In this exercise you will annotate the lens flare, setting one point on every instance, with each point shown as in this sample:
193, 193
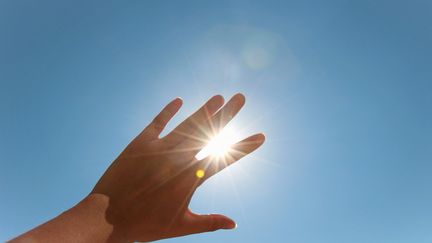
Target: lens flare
200, 173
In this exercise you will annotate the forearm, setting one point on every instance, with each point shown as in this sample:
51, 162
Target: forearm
85, 222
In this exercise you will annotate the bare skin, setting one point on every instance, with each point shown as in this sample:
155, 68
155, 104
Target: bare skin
144, 195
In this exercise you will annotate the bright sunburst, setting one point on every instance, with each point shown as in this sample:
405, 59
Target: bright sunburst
220, 144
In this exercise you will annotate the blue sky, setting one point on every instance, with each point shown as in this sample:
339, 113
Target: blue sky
342, 90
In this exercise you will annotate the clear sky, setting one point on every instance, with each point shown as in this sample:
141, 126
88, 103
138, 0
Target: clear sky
342, 89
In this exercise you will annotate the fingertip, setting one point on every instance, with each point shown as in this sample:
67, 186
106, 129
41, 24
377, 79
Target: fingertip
178, 100
231, 225
228, 223
258, 138
261, 137
175, 104
215, 103
218, 99
240, 97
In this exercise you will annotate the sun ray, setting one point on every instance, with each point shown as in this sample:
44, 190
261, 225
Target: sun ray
219, 145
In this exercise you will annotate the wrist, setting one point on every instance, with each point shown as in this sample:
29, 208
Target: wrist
85, 222
101, 218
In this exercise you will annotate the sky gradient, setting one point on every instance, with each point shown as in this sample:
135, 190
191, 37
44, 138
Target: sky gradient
342, 90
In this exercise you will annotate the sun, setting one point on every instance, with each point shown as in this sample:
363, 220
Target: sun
219, 145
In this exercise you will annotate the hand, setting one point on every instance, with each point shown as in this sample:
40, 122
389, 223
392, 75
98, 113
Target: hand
151, 183
145, 193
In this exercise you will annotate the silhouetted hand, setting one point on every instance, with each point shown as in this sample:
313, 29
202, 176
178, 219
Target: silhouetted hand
145, 193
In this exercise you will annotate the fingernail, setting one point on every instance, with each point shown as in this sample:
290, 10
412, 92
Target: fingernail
178, 100
231, 225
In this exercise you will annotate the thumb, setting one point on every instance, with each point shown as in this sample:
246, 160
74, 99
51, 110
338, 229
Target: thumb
208, 222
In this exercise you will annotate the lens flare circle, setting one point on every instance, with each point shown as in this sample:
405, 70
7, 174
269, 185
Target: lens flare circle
200, 173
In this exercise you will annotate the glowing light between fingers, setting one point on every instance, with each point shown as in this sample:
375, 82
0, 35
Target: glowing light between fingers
219, 145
